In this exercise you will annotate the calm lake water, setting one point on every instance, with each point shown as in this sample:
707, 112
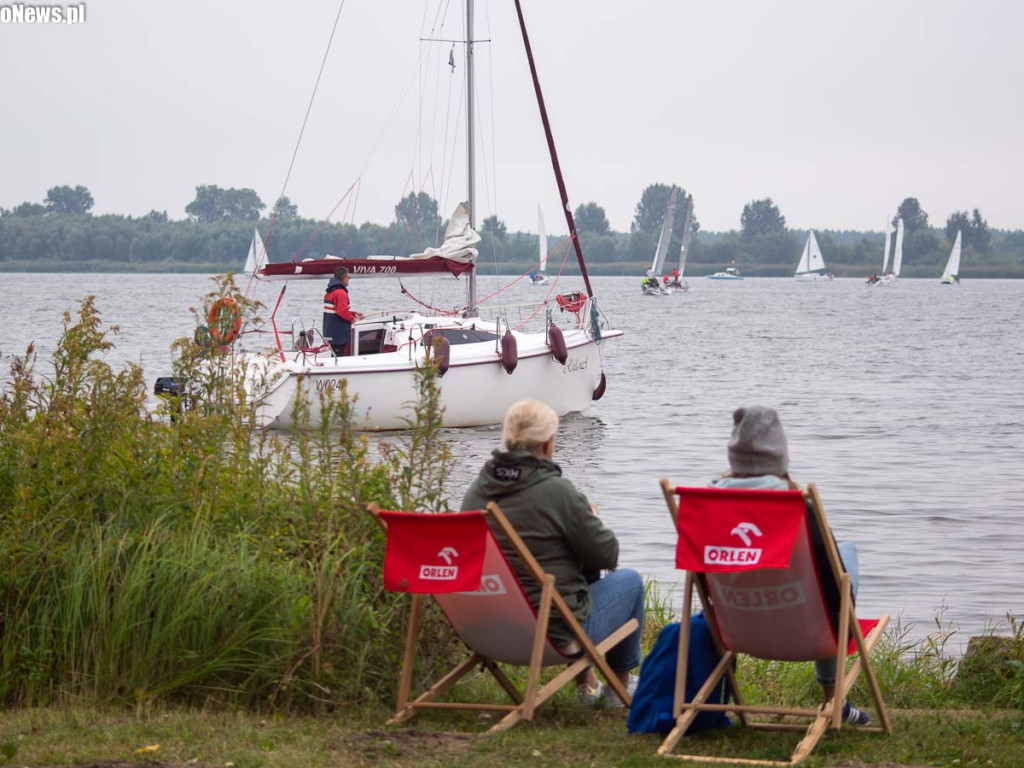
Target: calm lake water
903, 403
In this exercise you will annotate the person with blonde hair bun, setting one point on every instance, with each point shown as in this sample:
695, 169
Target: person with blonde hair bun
562, 530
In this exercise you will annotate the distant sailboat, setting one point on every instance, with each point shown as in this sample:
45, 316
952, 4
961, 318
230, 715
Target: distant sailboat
812, 264
540, 276
676, 282
951, 274
876, 279
897, 256
257, 254
651, 284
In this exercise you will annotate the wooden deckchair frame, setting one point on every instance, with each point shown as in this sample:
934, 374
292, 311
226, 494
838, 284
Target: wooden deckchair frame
829, 715
533, 694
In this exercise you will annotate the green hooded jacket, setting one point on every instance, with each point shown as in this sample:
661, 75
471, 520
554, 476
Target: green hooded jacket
555, 522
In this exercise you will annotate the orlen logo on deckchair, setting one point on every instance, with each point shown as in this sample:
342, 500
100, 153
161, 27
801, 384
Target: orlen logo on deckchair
746, 555
447, 572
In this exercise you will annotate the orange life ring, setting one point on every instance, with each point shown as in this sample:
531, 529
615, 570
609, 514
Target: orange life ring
224, 320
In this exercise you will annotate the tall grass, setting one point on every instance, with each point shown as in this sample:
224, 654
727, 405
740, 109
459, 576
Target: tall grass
189, 555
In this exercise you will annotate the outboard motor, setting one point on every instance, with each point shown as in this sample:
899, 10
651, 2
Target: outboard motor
509, 352
556, 343
169, 386
174, 390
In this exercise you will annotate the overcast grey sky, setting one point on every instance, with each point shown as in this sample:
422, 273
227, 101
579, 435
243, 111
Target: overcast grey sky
835, 110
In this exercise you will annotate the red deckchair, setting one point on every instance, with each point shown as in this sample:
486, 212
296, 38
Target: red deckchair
491, 614
771, 582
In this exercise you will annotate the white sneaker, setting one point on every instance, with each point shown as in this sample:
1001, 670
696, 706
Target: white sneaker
612, 700
591, 695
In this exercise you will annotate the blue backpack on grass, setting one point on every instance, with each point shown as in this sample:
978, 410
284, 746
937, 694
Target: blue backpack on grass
651, 710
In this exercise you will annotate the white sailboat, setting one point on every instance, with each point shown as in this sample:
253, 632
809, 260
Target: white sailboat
484, 365
257, 254
677, 282
897, 257
652, 284
897, 254
951, 274
539, 276
877, 279
812, 264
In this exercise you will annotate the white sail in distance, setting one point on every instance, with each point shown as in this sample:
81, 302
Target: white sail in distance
810, 259
888, 242
658, 266
953, 265
684, 249
897, 256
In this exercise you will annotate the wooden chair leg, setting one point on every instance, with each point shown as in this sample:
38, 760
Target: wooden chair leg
409, 653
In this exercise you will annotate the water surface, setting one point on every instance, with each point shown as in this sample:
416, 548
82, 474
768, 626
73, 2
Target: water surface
903, 403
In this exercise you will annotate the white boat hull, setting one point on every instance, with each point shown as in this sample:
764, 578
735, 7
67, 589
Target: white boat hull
810, 277
659, 291
475, 390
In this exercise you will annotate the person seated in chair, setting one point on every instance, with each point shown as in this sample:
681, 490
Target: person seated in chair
759, 458
563, 532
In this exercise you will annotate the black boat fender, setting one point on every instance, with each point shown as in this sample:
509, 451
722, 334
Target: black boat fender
509, 352
556, 343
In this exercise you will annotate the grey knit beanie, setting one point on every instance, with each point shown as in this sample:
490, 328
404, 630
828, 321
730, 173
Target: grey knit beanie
758, 444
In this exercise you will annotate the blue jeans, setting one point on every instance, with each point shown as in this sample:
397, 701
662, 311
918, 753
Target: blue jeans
825, 669
614, 600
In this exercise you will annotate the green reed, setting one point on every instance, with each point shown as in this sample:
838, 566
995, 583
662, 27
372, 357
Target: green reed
188, 554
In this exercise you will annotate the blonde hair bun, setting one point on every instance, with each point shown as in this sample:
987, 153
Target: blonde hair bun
528, 425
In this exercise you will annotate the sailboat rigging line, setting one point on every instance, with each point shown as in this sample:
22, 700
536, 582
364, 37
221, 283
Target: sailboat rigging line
408, 293
342, 229
490, 179
508, 285
324, 223
553, 152
309, 108
551, 290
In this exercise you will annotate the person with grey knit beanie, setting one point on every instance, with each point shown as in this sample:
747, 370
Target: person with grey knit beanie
758, 445
759, 459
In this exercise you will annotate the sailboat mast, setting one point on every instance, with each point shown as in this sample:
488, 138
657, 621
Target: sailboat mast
470, 150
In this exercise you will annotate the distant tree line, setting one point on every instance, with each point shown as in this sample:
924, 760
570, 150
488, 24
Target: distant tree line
62, 233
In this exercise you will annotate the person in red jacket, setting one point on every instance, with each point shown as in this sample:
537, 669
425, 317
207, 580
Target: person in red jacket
338, 315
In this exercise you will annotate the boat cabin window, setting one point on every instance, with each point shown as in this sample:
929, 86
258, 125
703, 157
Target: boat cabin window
459, 335
371, 342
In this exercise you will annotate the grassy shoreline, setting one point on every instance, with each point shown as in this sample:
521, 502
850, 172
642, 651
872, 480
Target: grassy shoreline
564, 734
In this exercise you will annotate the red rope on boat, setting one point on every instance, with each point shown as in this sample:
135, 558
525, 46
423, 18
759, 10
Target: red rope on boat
408, 293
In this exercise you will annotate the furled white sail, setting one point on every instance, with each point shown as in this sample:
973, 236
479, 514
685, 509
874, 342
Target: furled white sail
888, 241
543, 240
658, 266
459, 239
897, 256
953, 265
810, 259
257, 254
